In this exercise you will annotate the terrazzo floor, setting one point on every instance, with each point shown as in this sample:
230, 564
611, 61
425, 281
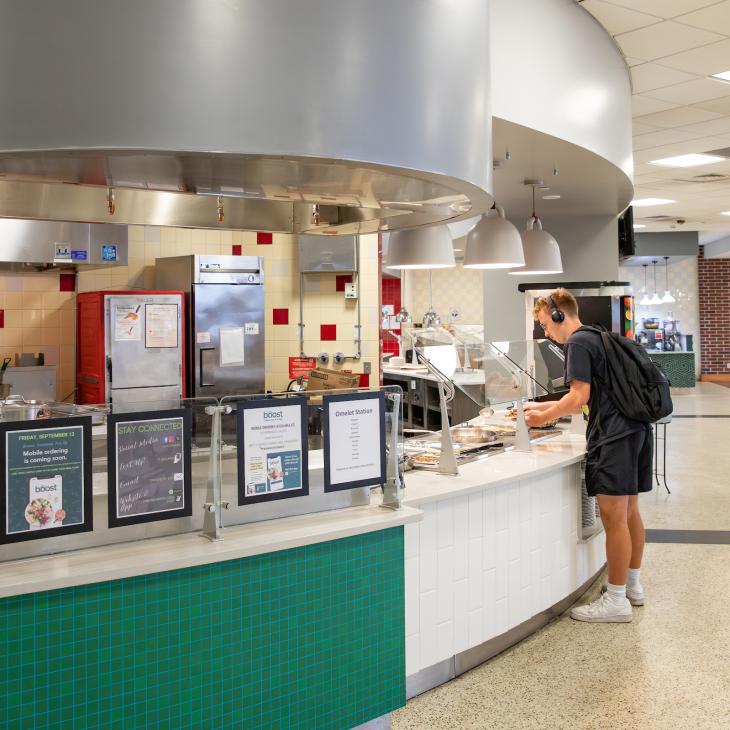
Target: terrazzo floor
670, 667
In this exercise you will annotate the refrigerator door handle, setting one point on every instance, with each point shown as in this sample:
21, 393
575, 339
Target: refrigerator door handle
207, 365
109, 367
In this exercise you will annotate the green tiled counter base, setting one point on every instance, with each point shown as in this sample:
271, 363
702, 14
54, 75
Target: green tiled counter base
306, 638
679, 368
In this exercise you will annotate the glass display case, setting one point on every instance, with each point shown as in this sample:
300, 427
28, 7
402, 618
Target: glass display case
482, 386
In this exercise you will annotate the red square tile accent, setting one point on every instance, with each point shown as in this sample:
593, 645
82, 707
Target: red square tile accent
236, 249
281, 316
364, 380
264, 239
327, 332
341, 280
2, 318
67, 282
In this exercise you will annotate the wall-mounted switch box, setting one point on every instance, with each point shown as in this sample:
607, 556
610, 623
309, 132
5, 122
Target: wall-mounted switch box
350, 290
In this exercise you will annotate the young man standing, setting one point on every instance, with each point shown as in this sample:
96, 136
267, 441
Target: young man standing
618, 454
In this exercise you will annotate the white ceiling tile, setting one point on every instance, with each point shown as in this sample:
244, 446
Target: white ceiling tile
678, 116
715, 18
721, 106
633, 61
663, 8
713, 127
663, 137
639, 128
649, 76
679, 148
691, 92
703, 61
617, 19
641, 105
664, 39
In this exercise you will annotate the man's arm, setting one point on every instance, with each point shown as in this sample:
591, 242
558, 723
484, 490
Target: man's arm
571, 402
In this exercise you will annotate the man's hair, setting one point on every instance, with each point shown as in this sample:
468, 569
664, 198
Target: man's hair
562, 299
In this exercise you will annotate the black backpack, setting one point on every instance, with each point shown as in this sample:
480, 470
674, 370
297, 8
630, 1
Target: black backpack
637, 386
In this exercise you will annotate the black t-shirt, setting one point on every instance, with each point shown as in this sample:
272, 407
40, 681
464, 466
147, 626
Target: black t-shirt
585, 360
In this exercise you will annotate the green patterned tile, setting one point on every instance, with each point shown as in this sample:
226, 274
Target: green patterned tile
305, 638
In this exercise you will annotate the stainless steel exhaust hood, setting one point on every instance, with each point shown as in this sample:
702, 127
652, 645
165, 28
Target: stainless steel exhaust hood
34, 243
312, 117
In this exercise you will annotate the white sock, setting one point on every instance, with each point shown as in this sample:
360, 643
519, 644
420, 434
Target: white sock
633, 579
616, 594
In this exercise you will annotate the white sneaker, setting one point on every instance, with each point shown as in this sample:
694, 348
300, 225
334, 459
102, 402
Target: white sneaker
604, 611
635, 594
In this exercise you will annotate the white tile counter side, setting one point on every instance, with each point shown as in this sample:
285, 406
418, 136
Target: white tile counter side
498, 545
157, 555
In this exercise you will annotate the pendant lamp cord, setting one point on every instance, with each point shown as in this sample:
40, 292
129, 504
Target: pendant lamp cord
430, 291
666, 273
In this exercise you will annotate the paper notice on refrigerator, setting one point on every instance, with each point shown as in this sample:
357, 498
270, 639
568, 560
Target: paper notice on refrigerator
127, 322
231, 346
160, 325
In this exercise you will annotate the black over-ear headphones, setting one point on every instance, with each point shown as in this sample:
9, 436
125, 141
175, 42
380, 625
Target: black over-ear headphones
557, 315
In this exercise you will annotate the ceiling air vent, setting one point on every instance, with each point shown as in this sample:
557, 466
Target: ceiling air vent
657, 218
708, 177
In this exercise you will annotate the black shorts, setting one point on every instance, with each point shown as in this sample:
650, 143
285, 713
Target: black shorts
622, 467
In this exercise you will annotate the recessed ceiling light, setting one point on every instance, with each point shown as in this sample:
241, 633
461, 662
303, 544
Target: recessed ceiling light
458, 249
646, 202
722, 76
691, 160
639, 225
725, 212
551, 197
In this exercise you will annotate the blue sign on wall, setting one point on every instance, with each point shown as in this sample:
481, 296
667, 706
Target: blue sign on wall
108, 252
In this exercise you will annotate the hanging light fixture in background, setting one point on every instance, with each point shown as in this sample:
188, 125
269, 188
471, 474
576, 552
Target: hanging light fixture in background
645, 301
667, 298
430, 319
655, 297
421, 248
541, 250
493, 243
403, 316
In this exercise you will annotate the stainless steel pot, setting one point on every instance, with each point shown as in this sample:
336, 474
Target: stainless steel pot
16, 408
472, 435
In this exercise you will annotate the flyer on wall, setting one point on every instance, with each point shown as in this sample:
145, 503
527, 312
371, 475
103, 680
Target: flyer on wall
149, 474
354, 440
272, 449
47, 480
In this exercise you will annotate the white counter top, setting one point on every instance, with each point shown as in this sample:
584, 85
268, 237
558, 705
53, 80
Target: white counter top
125, 560
427, 486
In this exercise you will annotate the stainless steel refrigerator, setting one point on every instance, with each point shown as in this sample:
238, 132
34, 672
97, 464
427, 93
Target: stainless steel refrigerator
224, 318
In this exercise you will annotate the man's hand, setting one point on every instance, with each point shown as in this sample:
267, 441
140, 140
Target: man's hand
535, 416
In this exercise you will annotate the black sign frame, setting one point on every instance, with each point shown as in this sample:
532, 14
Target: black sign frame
244, 405
86, 474
354, 397
113, 420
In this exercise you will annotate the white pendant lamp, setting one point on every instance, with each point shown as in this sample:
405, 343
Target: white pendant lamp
421, 248
541, 250
493, 243
667, 298
655, 297
645, 301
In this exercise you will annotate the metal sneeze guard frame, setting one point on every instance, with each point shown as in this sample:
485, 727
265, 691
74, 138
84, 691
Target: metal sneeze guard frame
214, 493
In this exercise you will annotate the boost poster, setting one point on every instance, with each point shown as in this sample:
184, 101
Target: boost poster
354, 440
46, 478
272, 449
149, 467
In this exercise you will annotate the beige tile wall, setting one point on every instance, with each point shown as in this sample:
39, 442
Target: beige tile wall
458, 287
40, 318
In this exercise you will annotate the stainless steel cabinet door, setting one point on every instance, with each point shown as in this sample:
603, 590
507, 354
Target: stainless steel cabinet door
228, 305
134, 362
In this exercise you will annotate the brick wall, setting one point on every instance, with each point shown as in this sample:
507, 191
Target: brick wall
714, 289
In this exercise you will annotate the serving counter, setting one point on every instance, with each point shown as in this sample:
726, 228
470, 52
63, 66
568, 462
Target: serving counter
297, 621
497, 555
